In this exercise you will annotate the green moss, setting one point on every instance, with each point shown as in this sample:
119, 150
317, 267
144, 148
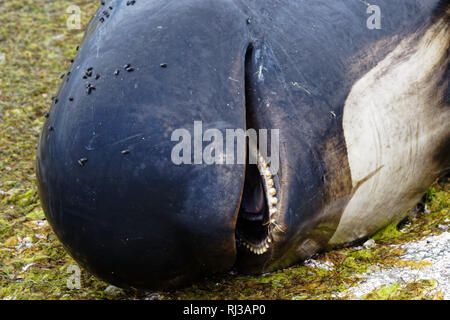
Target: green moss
383, 293
431, 193
388, 233
364, 255
417, 290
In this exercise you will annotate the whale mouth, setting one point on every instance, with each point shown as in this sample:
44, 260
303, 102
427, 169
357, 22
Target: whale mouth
258, 208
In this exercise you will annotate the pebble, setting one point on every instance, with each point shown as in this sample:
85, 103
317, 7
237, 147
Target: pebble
154, 296
24, 243
327, 265
369, 244
112, 291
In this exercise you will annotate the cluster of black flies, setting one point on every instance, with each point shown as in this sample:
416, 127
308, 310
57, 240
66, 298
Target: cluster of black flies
105, 13
89, 74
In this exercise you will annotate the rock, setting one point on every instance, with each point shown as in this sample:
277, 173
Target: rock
321, 265
370, 244
112, 291
154, 296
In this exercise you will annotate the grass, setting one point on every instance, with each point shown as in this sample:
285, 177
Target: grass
35, 48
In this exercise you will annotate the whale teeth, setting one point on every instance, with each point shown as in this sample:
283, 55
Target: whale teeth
258, 250
274, 201
272, 191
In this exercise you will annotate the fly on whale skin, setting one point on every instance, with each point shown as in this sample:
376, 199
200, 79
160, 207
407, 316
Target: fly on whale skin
363, 118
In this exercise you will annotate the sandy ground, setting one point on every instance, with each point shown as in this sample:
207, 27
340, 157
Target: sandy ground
434, 249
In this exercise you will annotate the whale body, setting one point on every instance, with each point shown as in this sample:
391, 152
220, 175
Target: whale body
360, 102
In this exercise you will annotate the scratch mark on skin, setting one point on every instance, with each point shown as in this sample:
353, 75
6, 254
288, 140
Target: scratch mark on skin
127, 139
287, 56
364, 2
297, 85
367, 178
260, 73
89, 147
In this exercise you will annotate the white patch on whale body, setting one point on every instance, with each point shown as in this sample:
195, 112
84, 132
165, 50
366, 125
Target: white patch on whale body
394, 121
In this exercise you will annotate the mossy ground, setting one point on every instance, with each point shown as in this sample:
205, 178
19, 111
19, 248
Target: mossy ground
35, 48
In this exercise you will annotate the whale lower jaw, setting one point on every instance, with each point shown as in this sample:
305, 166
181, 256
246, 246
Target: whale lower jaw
263, 226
